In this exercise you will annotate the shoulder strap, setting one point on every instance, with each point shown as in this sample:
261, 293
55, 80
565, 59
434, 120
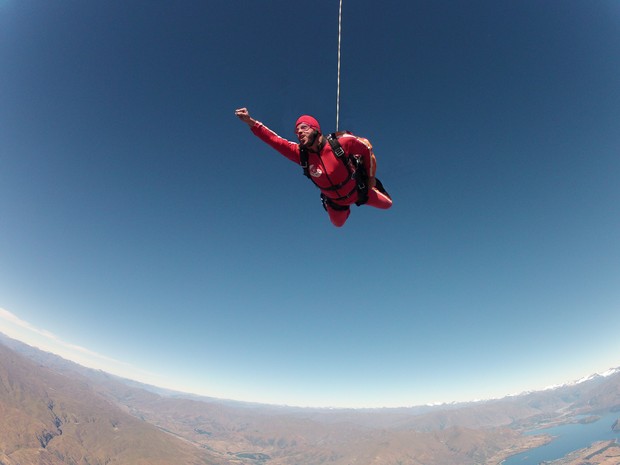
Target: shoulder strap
303, 160
335, 145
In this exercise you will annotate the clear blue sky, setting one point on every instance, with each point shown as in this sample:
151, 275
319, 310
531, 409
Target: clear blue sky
142, 224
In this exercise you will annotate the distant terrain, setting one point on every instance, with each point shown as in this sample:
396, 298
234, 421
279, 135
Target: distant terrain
599, 453
54, 412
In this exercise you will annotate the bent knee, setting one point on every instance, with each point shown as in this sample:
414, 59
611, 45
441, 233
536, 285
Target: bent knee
378, 199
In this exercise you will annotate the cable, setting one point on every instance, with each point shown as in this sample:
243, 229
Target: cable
338, 88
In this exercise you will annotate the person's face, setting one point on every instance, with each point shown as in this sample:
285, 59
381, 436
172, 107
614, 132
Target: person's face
304, 133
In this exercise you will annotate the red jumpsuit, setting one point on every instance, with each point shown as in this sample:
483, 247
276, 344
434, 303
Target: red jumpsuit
328, 171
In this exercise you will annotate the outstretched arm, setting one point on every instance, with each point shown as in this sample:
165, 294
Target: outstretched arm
244, 115
287, 148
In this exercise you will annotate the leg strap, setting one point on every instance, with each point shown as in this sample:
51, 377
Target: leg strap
333, 205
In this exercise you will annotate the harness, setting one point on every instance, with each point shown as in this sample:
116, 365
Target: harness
355, 168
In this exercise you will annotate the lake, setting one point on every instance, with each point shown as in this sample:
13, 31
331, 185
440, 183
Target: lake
569, 438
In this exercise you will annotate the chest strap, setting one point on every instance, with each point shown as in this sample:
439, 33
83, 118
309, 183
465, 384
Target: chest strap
354, 165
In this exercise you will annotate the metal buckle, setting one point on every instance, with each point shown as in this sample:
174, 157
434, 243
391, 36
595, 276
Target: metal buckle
339, 152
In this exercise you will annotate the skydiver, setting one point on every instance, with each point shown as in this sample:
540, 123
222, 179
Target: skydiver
343, 180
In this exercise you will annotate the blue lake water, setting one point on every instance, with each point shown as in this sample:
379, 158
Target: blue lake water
569, 438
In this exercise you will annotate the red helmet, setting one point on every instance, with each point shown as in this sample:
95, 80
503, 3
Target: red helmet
310, 121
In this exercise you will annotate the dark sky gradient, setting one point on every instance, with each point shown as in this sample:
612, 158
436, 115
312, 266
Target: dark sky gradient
141, 220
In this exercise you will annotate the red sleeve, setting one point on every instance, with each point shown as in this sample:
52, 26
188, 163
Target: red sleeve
287, 148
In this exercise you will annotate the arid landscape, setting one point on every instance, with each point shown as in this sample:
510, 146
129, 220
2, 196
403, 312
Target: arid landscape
54, 412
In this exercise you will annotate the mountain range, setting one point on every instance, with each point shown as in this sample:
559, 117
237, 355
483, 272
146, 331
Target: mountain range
55, 412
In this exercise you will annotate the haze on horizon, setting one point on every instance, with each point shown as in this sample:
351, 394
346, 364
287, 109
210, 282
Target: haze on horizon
13, 327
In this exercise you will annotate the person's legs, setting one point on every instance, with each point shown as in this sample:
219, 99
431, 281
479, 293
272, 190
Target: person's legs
338, 217
378, 199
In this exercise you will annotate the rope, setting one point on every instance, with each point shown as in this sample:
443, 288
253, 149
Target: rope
338, 89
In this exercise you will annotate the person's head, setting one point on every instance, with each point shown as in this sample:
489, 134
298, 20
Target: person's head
307, 130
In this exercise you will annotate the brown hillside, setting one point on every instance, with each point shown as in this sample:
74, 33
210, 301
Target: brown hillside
46, 418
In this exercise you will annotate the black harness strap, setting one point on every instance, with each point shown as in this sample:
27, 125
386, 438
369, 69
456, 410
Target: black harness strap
333, 205
303, 161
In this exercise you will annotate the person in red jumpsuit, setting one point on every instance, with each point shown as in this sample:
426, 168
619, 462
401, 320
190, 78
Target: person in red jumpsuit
339, 188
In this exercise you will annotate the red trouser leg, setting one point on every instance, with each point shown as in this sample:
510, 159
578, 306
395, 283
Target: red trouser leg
378, 200
375, 199
338, 217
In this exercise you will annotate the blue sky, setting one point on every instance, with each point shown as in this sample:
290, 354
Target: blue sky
146, 231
